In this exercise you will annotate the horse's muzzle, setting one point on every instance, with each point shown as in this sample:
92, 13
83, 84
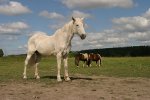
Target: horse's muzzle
83, 36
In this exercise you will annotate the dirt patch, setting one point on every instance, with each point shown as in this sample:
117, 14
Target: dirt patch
80, 88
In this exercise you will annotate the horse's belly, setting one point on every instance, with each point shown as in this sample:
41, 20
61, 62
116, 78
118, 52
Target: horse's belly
46, 49
45, 53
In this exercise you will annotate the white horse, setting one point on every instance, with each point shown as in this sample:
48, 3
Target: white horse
58, 44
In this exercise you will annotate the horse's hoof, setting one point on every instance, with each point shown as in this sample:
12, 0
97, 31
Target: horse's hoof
67, 79
59, 80
24, 77
37, 77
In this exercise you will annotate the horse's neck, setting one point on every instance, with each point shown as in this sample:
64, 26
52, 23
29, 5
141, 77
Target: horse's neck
67, 27
67, 32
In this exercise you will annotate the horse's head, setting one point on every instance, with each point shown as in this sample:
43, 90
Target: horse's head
78, 27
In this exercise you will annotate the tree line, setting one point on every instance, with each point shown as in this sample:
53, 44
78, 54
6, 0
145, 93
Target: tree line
132, 51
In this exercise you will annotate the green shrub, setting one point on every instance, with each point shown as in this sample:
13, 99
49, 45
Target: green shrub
1, 53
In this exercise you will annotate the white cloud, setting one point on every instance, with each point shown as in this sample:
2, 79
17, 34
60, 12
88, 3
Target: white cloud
136, 34
137, 23
80, 14
14, 28
98, 40
56, 26
147, 14
24, 47
51, 15
13, 8
134, 29
114, 39
140, 36
11, 38
98, 3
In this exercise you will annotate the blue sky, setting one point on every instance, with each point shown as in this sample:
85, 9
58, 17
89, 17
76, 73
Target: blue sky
109, 23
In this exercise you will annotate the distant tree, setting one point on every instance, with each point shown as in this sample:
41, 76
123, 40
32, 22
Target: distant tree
1, 53
132, 51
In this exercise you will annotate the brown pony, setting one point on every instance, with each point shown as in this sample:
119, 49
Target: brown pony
81, 57
95, 57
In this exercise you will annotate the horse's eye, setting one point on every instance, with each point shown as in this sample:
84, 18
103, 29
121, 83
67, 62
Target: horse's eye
77, 25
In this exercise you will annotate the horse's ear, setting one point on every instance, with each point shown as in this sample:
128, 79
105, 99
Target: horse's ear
73, 19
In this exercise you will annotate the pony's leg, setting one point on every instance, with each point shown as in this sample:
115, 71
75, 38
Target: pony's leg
59, 57
25, 66
78, 64
38, 58
99, 63
66, 76
87, 63
90, 63
83, 63
96, 63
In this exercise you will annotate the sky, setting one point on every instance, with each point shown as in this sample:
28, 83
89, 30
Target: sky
108, 23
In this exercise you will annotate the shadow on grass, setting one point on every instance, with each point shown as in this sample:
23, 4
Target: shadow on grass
72, 78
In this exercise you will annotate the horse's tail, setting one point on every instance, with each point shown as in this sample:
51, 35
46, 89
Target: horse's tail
33, 59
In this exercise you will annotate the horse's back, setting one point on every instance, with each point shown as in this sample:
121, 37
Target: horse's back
42, 43
37, 35
82, 57
85, 55
94, 57
35, 38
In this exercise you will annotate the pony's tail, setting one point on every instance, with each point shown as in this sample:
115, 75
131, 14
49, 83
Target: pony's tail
76, 61
88, 62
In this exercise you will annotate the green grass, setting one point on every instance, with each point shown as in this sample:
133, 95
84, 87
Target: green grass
11, 68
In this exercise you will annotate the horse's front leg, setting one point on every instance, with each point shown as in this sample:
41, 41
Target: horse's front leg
66, 76
59, 57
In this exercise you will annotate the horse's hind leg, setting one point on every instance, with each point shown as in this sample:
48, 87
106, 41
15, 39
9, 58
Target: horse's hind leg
26, 64
37, 60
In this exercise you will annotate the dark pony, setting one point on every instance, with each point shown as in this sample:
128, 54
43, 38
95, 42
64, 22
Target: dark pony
81, 57
95, 57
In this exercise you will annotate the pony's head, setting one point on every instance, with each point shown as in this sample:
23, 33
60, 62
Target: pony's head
78, 27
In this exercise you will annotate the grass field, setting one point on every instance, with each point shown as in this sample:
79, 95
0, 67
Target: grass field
11, 68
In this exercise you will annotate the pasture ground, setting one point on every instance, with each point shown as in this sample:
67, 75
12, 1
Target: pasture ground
118, 78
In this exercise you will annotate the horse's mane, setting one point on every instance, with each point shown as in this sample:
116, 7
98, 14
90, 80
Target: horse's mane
66, 28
